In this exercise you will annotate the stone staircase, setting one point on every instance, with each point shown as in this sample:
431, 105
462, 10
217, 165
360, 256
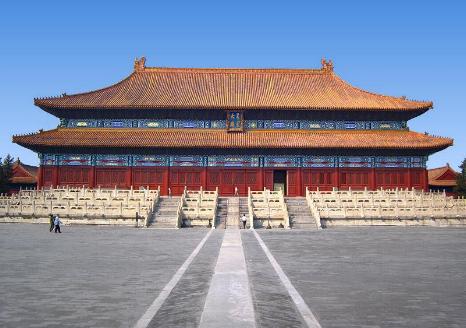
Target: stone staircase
232, 221
222, 213
300, 214
243, 209
164, 215
229, 211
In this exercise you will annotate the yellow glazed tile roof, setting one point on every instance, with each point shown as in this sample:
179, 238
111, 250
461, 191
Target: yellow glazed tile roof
212, 138
224, 88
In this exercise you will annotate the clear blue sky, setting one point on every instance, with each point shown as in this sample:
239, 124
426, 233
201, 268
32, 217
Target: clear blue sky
411, 48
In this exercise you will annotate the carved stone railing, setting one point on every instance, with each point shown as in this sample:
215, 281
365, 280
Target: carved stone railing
313, 208
199, 207
268, 206
147, 219
386, 205
76, 203
250, 210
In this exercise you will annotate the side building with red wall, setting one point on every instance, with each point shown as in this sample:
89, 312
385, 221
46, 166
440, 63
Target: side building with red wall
23, 177
233, 128
442, 179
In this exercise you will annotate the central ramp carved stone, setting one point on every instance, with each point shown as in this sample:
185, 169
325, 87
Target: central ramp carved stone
229, 301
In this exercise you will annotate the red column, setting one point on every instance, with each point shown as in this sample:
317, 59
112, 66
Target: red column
92, 177
129, 177
204, 178
40, 177
55, 176
426, 181
261, 178
164, 191
337, 178
299, 182
410, 181
373, 181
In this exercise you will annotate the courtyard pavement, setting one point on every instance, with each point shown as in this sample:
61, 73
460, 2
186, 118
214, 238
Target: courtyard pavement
92, 276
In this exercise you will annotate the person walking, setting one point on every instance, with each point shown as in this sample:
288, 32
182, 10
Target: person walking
51, 221
243, 220
57, 223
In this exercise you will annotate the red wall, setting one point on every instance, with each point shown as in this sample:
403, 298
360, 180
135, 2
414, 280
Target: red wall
226, 179
325, 179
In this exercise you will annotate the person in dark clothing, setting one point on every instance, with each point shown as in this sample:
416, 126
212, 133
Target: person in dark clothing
52, 224
243, 220
57, 223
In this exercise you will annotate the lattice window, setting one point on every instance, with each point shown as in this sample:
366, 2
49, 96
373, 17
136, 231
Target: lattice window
214, 178
227, 178
251, 178
47, 176
238, 178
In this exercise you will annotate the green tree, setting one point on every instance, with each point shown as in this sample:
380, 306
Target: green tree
460, 188
6, 173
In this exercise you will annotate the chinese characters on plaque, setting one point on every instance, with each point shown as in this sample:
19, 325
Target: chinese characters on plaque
235, 121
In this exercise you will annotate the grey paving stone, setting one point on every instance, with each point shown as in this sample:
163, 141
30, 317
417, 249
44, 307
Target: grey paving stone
377, 277
272, 303
86, 276
353, 277
183, 308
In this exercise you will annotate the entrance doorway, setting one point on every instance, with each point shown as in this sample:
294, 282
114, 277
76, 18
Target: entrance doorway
279, 180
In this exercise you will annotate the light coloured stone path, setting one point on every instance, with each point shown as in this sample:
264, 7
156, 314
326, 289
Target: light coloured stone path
229, 301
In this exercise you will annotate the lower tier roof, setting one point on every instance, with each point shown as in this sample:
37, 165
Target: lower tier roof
221, 139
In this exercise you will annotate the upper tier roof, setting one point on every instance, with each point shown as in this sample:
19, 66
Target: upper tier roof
125, 138
228, 88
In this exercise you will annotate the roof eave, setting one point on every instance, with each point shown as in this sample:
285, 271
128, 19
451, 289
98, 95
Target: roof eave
40, 147
52, 109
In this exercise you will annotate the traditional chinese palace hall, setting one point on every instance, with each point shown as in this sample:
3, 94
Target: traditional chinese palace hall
227, 128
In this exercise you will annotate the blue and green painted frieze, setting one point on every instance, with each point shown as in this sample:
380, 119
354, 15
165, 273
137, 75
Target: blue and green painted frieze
221, 124
234, 161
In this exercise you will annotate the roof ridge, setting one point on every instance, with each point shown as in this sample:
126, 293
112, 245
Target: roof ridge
140, 67
234, 70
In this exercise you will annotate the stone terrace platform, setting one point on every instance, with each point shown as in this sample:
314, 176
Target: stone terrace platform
347, 277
